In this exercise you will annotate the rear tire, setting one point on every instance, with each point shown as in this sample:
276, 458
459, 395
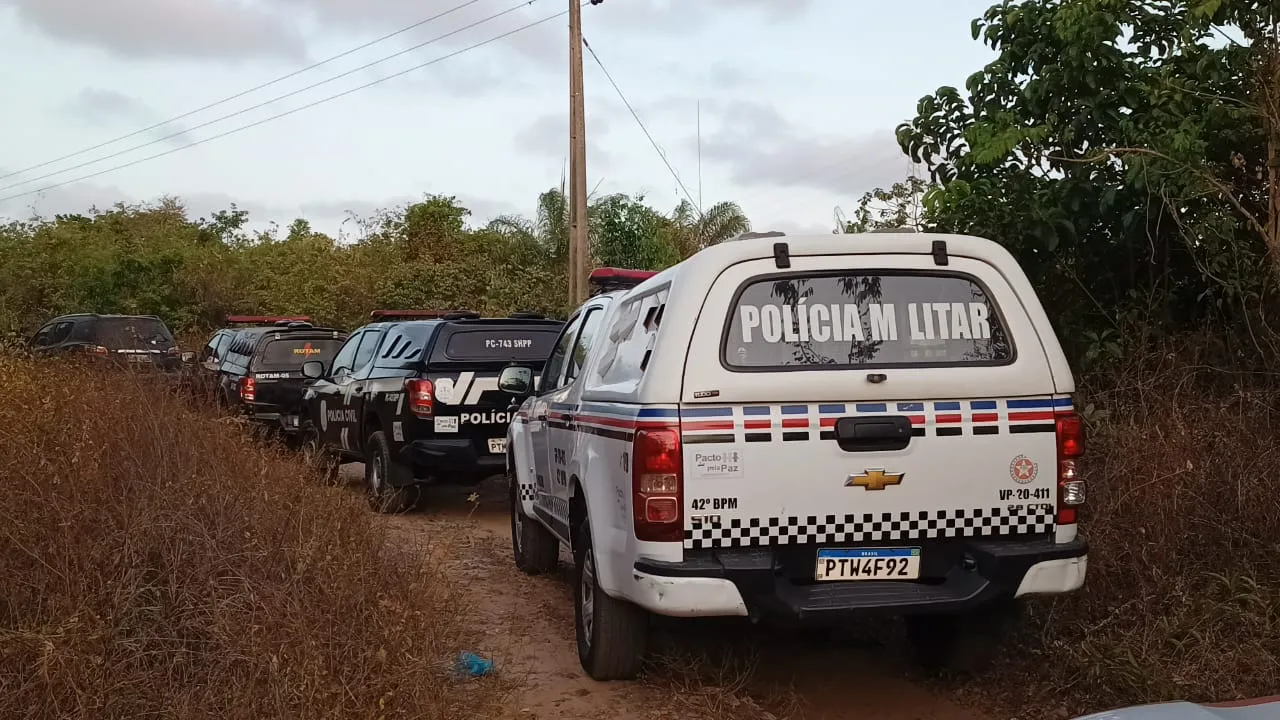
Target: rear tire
536, 550
390, 485
611, 632
962, 644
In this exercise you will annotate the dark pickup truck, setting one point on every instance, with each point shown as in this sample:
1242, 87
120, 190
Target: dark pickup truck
132, 341
257, 370
414, 396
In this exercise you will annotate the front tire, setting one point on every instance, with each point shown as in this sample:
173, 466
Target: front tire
318, 457
536, 550
611, 632
389, 484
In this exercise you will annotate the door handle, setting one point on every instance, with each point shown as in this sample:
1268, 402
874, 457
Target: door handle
876, 433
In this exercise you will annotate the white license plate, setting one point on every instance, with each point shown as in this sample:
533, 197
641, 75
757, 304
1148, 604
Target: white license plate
134, 357
497, 446
868, 564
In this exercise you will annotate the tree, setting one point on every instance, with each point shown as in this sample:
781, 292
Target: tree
692, 231
901, 206
1112, 146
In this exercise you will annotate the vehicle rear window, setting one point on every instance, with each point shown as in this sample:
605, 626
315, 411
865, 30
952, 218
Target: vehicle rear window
293, 352
532, 344
129, 333
865, 320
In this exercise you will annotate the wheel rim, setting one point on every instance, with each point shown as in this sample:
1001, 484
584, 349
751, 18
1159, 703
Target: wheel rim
375, 477
588, 594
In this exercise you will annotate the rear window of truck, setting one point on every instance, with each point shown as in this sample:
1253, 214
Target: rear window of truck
532, 345
293, 352
126, 333
859, 320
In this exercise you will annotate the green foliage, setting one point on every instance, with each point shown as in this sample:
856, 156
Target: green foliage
1116, 147
155, 259
900, 206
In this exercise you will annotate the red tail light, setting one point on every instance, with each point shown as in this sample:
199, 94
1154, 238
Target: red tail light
248, 389
1071, 488
421, 395
657, 484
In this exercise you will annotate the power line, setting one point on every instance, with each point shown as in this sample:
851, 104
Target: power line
271, 101
639, 122
241, 94
286, 113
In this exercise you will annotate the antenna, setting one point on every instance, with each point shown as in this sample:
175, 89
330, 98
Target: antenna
699, 153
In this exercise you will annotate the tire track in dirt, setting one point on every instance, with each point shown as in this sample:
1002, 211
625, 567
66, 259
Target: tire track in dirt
711, 669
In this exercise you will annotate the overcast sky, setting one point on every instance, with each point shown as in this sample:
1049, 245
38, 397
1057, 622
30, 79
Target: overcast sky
799, 101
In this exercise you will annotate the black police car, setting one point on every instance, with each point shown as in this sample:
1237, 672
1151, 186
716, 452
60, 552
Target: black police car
257, 370
135, 341
414, 395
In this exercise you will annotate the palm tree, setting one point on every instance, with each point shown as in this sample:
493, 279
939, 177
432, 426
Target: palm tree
693, 231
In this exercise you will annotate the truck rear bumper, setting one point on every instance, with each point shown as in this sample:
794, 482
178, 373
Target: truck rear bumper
452, 455
982, 571
287, 423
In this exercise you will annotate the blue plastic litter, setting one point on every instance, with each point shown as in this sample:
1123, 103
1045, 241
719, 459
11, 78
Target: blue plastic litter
473, 665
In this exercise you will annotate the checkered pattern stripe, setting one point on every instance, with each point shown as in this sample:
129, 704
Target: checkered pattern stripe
870, 527
817, 421
528, 492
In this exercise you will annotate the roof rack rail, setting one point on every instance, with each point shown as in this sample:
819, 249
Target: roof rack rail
461, 315
758, 235
607, 279
526, 316
905, 229
266, 319
406, 314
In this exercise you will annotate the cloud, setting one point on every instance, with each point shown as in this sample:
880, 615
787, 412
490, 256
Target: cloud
761, 148
544, 44
669, 17
548, 135
541, 47
80, 198
96, 105
147, 29
108, 108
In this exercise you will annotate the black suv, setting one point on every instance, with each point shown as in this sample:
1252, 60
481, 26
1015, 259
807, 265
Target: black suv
414, 395
257, 370
137, 341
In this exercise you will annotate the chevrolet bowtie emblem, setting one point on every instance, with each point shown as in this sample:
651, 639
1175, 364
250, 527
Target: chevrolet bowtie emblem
874, 479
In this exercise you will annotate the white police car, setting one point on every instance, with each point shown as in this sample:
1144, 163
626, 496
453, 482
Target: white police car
803, 428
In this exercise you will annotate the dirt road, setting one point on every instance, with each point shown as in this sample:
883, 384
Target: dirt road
703, 669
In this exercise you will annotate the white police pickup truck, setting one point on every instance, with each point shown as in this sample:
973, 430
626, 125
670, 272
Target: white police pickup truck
807, 429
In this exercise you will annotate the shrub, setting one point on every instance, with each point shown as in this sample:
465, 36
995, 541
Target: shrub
1181, 600
153, 561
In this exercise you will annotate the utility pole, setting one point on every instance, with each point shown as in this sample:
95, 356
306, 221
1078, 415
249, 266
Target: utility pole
578, 248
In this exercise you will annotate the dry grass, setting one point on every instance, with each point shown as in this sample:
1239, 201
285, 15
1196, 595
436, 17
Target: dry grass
1182, 599
155, 562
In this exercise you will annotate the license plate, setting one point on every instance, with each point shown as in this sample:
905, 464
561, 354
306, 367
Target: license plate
497, 446
133, 357
868, 564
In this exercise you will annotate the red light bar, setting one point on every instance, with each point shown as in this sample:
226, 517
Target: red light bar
265, 319
609, 279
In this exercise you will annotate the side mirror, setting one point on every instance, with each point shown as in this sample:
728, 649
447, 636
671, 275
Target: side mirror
517, 381
313, 369
188, 357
